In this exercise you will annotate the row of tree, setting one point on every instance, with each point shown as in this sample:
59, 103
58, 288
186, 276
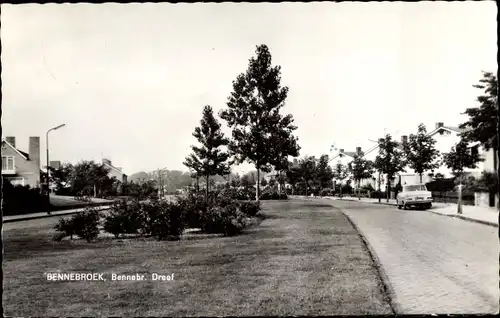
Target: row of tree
261, 135
420, 154
88, 178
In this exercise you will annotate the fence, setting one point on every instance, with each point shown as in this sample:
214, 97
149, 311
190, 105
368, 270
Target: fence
452, 197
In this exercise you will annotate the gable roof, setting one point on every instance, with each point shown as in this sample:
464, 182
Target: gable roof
21, 153
446, 128
113, 168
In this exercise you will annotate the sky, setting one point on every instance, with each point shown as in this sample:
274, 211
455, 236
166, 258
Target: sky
130, 81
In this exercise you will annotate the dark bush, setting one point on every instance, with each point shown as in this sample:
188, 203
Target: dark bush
227, 220
22, 199
125, 217
326, 192
273, 196
441, 185
250, 208
65, 228
378, 194
165, 219
192, 207
85, 224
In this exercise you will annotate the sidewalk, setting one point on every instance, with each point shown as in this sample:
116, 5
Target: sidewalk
484, 215
31, 216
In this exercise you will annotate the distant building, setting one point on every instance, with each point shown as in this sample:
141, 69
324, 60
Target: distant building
19, 167
446, 137
55, 164
114, 171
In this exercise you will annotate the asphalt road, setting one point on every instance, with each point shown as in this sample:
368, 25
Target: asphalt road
435, 264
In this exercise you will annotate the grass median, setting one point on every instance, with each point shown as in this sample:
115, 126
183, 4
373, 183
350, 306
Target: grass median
303, 259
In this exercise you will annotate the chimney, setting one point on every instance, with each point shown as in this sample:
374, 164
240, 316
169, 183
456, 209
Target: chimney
381, 140
106, 161
440, 124
34, 150
358, 151
404, 139
341, 150
11, 140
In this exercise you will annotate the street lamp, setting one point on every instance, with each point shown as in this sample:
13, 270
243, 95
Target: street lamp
160, 185
48, 170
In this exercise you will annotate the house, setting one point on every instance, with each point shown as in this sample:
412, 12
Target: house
114, 171
19, 167
344, 158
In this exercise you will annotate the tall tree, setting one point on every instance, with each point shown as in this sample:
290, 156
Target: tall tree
461, 157
209, 158
360, 169
308, 173
194, 164
285, 145
89, 177
324, 172
340, 172
482, 123
421, 153
292, 175
390, 160
61, 176
253, 112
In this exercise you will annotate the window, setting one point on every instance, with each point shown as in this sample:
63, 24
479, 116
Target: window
418, 187
7, 163
16, 181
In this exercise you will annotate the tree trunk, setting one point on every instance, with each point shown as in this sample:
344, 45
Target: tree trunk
197, 183
257, 190
388, 195
206, 193
420, 178
379, 189
279, 183
359, 190
306, 187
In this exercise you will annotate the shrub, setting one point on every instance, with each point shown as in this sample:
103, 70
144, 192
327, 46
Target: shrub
192, 207
165, 220
227, 220
65, 228
369, 187
125, 217
85, 224
250, 208
441, 185
326, 192
22, 199
273, 196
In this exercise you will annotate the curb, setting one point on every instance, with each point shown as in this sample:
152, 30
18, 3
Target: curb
387, 288
435, 212
68, 212
381, 203
466, 218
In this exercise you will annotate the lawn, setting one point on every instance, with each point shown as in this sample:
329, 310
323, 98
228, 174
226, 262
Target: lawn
303, 259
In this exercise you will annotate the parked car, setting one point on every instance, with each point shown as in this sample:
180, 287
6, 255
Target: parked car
414, 195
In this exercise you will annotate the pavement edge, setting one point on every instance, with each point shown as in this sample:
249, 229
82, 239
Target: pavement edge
386, 284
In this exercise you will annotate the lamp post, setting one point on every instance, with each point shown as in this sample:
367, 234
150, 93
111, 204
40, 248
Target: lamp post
48, 170
160, 183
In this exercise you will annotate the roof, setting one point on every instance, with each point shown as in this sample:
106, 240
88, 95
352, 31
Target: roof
113, 168
446, 128
432, 133
22, 153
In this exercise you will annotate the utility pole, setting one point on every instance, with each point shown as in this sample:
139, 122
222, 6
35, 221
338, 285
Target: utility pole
48, 170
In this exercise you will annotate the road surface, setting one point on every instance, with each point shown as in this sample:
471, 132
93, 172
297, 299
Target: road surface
435, 264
